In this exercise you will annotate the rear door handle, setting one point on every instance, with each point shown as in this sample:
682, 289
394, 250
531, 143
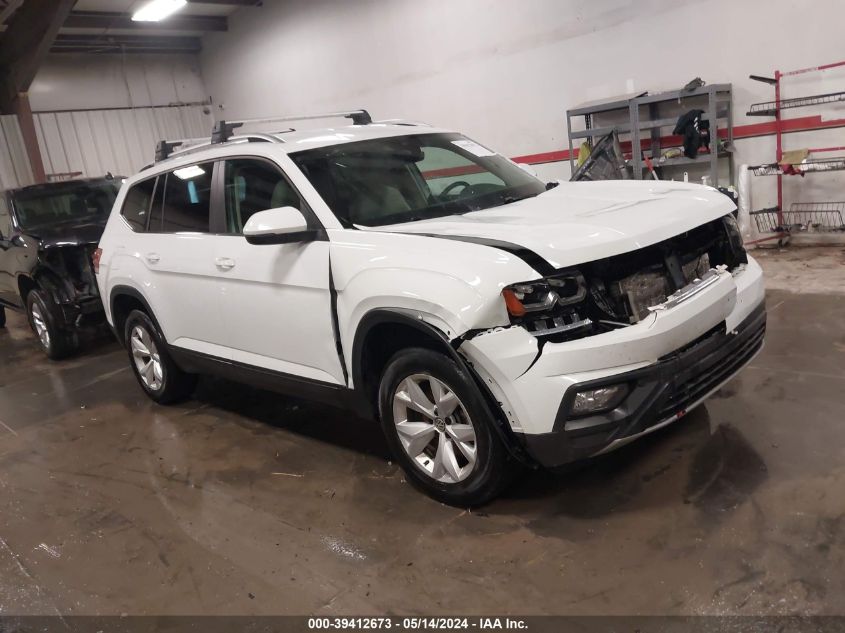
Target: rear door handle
153, 258
226, 263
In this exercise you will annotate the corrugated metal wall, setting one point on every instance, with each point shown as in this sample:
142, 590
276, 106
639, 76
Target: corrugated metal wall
94, 142
15, 170
118, 141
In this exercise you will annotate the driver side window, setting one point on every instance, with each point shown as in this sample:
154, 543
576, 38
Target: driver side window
251, 186
447, 170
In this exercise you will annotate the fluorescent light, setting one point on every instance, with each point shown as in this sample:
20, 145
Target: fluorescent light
186, 173
157, 10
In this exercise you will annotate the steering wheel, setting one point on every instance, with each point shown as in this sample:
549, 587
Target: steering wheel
448, 189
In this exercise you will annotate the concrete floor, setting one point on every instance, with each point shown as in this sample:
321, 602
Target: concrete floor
244, 502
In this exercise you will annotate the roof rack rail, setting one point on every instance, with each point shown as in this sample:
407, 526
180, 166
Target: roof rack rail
408, 122
223, 130
168, 149
164, 149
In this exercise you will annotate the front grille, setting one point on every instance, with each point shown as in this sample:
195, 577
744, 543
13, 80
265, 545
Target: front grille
703, 377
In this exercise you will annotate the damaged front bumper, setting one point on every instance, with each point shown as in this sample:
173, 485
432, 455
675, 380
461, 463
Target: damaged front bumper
658, 395
669, 363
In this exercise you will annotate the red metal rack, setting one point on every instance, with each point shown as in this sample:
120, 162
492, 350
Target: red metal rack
775, 108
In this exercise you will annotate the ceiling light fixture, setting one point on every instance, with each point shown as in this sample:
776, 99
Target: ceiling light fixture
157, 10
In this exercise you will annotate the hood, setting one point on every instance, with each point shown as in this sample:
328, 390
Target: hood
578, 222
67, 235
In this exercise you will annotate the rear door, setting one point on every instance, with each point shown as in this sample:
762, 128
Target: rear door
178, 250
276, 301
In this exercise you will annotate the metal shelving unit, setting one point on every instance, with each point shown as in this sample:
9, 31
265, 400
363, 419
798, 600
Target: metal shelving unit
642, 118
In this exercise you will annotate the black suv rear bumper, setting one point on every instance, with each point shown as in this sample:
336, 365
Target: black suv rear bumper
87, 312
659, 394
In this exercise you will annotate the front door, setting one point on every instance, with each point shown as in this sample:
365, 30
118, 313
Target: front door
275, 299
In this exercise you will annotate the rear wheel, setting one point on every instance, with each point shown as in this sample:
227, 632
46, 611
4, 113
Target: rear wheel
159, 377
440, 429
2, 316
44, 318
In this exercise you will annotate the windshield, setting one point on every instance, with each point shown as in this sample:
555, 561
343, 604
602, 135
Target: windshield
77, 203
415, 177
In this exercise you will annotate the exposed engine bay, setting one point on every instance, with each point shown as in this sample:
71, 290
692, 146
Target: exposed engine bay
619, 291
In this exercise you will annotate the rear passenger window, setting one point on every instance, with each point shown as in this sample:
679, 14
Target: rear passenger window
187, 200
136, 206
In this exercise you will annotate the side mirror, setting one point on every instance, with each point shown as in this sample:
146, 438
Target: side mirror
282, 225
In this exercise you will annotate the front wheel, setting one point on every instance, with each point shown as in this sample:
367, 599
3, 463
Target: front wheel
160, 378
440, 429
2, 316
56, 341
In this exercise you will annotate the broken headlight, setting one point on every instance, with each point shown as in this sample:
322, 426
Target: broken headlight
550, 306
544, 295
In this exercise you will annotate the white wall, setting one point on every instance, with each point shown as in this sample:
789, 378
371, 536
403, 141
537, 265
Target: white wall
504, 71
75, 82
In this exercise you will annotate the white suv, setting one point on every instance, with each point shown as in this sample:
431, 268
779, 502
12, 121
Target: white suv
483, 316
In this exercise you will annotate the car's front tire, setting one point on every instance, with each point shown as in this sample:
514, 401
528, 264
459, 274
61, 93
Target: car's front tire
440, 429
56, 341
159, 377
2, 316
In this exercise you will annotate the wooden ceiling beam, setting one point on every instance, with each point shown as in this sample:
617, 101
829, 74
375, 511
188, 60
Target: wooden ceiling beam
109, 20
26, 42
108, 43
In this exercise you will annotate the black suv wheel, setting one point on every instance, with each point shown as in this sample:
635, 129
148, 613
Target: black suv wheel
158, 375
45, 319
440, 429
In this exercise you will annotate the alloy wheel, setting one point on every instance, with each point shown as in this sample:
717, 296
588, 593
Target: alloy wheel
146, 357
40, 326
434, 428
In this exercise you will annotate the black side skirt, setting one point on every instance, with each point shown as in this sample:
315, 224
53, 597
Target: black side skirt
280, 382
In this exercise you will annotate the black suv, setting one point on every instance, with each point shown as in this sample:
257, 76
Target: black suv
48, 235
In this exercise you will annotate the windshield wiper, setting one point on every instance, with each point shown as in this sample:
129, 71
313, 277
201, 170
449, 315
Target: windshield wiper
512, 198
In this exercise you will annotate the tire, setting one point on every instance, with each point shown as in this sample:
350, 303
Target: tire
44, 319
2, 316
163, 381
442, 468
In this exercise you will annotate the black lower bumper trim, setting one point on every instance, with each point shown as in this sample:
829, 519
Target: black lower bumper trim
658, 393
83, 313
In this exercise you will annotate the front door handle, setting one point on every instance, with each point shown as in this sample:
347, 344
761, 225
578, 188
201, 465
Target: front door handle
153, 258
226, 263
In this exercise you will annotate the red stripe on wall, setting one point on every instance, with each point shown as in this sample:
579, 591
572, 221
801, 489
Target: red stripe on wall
452, 171
752, 130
